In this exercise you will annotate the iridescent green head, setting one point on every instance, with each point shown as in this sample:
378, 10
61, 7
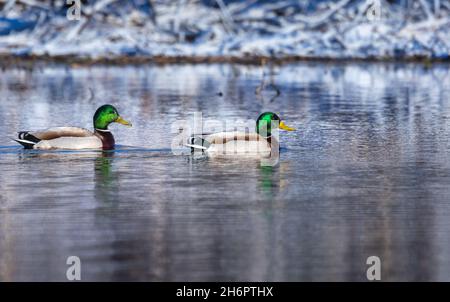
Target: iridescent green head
264, 124
106, 115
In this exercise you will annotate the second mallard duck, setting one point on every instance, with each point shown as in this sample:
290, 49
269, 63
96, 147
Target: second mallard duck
258, 143
75, 138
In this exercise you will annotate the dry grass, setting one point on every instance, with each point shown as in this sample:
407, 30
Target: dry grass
30, 61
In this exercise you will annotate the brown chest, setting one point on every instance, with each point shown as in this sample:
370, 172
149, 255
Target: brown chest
107, 139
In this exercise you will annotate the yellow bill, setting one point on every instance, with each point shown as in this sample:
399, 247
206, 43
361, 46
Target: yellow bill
120, 120
283, 126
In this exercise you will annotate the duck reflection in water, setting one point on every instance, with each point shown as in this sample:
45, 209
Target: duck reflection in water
272, 180
106, 181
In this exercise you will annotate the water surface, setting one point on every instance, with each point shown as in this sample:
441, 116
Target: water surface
366, 173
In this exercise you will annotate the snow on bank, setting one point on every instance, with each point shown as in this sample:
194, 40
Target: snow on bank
312, 29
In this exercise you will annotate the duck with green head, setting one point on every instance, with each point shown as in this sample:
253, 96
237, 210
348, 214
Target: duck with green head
75, 138
242, 143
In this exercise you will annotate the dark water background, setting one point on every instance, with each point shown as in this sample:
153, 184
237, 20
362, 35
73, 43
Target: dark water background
366, 173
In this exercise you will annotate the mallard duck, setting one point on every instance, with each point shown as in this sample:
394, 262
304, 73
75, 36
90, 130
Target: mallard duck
75, 138
260, 142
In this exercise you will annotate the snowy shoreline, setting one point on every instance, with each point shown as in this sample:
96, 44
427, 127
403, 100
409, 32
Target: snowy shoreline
245, 32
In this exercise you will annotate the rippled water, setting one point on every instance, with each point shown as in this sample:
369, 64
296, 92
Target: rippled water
366, 173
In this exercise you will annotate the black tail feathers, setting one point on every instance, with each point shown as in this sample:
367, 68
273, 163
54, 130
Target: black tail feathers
27, 140
197, 142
